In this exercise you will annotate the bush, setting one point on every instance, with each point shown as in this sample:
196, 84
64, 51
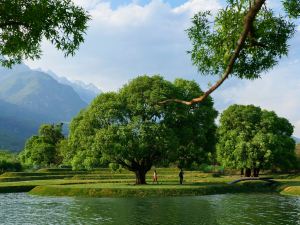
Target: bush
115, 167
9, 166
210, 168
9, 162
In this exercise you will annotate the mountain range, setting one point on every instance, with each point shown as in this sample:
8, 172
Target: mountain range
29, 98
297, 140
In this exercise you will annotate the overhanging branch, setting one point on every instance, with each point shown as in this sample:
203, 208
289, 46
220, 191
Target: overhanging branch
248, 23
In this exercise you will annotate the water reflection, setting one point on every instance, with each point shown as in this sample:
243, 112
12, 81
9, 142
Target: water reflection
215, 209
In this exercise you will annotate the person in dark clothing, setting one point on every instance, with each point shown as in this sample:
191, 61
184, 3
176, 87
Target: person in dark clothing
181, 176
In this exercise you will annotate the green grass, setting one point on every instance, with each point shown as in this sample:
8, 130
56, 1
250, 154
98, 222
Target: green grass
26, 186
48, 177
26, 174
104, 183
129, 190
290, 186
292, 190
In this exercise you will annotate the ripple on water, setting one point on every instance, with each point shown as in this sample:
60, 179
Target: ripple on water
254, 209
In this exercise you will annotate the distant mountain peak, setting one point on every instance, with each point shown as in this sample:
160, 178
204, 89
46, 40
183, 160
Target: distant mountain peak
87, 92
88, 86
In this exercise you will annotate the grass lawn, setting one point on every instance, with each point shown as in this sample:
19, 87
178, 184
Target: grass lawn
104, 183
130, 190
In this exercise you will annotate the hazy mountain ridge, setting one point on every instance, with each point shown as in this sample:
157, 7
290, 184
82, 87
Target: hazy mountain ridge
297, 140
39, 93
87, 92
29, 98
16, 125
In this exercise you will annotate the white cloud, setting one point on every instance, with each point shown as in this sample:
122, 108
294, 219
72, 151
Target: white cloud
194, 6
127, 41
274, 4
130, 40
87, 4
278, 90
129, 15
297, 128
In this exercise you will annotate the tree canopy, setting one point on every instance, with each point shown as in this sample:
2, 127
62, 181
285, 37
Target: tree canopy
25, 24
251, 138
244, 40
43, 149
131, 129
9, 162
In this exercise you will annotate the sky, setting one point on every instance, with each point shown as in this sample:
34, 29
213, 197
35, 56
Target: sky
127, 38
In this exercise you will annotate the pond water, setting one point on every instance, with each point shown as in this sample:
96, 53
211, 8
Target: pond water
21, 208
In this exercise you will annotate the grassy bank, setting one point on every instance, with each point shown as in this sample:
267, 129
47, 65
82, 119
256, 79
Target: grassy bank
291, 190
26, 186
104, 183
289, 186
127, 190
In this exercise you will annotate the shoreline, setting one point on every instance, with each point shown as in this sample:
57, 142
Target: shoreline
120, 191
104, 183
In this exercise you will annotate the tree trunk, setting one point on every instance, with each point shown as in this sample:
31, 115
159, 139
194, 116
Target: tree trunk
256, 172
140, 177
242, 172
248, 173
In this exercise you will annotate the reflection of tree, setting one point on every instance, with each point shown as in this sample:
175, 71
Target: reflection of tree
257, 209
211, 210
167, 211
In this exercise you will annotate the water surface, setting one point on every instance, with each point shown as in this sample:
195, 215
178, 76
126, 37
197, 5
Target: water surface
231, 209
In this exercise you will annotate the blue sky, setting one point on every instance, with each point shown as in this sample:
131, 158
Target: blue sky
129, 38
117, 3
174, 3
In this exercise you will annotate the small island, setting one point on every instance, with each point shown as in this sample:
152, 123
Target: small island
121, 138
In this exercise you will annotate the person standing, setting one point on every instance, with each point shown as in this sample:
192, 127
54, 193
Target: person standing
181, 176
155, 177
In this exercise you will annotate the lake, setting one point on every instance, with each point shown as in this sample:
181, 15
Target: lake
21, 208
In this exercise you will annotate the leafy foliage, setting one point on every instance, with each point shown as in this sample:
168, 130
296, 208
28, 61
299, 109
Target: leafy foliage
214, 46
24, 24
198, 136
42, 150
9, 162
130, 127
255, 139
244, 40
292, 8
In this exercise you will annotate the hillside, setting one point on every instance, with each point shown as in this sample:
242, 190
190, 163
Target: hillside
297, 140
87, 92
29, 98
16, 125
39, 93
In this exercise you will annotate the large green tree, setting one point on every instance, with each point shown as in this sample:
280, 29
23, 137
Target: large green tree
43, 149
244, 39
24, 24
253, 139
131, 129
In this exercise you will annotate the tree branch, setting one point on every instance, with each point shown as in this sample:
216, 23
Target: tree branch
253, 41
122, 163
248, 23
